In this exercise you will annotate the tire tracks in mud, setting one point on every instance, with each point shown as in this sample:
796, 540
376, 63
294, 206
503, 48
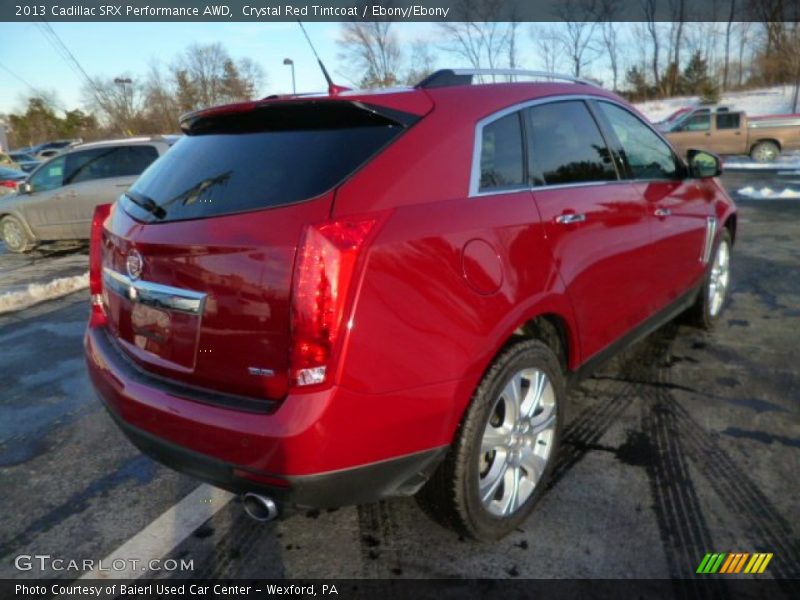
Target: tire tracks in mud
671, 445
377, 528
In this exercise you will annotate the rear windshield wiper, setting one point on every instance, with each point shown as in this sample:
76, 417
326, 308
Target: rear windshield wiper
146, 203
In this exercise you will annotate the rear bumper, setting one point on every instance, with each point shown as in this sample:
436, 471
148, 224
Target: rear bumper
322, 449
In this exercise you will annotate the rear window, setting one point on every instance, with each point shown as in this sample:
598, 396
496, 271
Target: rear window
260, 159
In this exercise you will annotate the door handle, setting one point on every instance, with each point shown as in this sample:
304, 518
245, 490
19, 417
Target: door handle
662, 212
569, 218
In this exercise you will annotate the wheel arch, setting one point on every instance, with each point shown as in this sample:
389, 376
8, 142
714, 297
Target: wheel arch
730, 225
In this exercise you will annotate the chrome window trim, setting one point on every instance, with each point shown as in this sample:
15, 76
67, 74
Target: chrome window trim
475, 171
155, 295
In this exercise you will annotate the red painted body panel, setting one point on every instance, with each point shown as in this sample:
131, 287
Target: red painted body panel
425, 319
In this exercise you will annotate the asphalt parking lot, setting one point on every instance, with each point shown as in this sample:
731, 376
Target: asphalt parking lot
688, 443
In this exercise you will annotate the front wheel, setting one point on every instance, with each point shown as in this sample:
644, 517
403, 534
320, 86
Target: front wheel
498, 466
14, 235
716, 285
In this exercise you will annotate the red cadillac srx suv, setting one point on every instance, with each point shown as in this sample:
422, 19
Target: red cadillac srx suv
318, 301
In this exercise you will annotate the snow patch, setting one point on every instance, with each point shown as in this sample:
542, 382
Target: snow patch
767, 193
39, 292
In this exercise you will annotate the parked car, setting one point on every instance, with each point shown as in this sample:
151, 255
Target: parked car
725, 131
26, 162
58, 199
329, 300
10, 179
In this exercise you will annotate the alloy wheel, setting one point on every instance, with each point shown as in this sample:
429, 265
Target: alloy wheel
719, 278
12, 234
517, 442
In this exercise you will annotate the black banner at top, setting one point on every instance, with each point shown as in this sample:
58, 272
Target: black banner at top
399, 10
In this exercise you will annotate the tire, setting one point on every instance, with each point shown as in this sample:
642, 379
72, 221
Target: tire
15, 236
765, 152
473, 491
716, 285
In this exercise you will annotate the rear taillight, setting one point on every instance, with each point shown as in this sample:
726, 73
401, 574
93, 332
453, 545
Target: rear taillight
98, 316
324, 272
8, 184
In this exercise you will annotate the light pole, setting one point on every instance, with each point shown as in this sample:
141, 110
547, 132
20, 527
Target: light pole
123, 81
290, 62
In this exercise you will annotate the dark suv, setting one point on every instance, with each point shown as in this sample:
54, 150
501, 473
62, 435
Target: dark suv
326, 300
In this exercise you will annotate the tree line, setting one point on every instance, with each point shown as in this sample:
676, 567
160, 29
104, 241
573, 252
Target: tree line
643, 60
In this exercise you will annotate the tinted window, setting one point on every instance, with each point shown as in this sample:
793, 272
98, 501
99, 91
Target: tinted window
647, 155
566, 145
222, 172
104, 162
501, 154
728, 121
49, 176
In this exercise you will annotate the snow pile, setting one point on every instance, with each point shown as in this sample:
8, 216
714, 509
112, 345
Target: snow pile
767, 193
765, 101
39, 292
789, 162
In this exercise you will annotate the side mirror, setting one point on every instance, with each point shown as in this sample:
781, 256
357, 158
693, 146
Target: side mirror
704, 164
25, 188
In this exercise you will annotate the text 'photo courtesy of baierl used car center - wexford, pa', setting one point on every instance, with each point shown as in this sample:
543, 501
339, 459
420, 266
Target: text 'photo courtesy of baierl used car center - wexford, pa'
431, 299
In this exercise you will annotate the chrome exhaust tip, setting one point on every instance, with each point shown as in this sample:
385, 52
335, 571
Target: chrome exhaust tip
258, 507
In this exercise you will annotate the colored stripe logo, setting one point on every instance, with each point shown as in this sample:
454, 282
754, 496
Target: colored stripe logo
734, 562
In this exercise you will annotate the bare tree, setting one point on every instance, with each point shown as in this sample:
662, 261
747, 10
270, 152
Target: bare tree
422, 62
609, 30
206, 75
372, 50
577, 36
651, 24
548, 44
744, 39
728, 33
479, 37
119, 100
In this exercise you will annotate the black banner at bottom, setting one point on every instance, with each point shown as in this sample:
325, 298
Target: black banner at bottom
385, 589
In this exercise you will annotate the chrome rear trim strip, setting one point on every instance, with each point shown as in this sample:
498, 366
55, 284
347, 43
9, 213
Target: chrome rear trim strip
154, 294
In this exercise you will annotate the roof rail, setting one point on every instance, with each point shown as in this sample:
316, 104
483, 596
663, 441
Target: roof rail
451, 77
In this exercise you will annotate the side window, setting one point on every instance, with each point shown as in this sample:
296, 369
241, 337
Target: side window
648, 156
729, 120
85, 165
50, 176
566, 145
501, 154
701, 122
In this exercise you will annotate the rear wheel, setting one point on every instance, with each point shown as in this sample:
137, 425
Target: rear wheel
14, 235
497, 468
716, 284
765, 152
